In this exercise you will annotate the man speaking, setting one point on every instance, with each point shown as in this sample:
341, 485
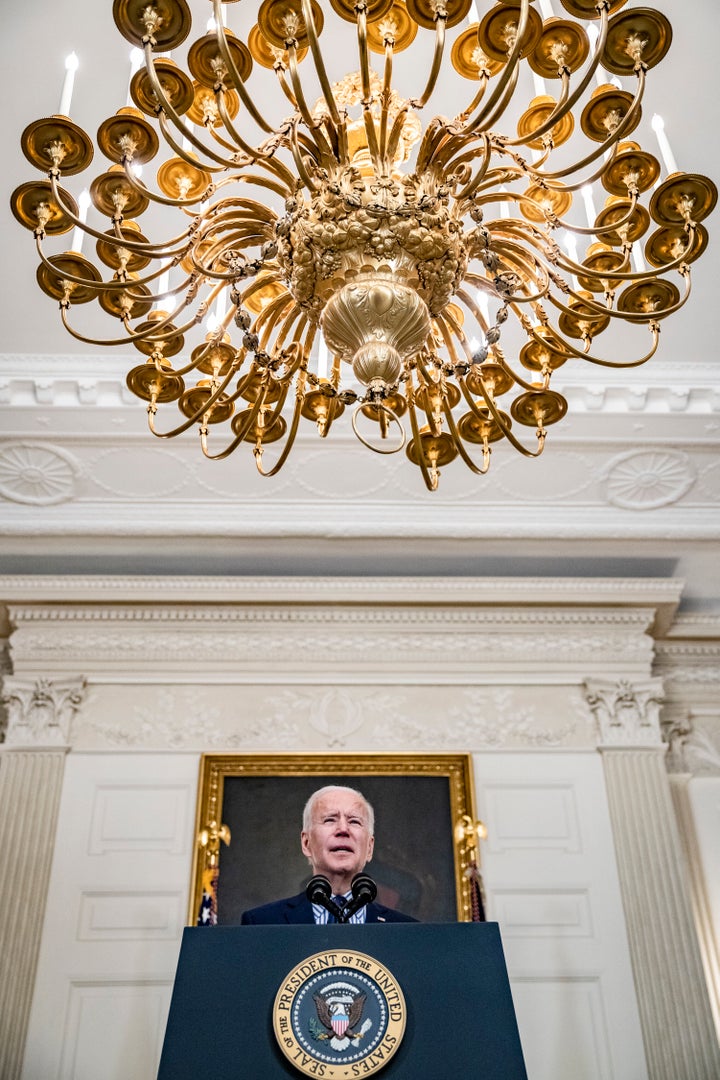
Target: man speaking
338, 837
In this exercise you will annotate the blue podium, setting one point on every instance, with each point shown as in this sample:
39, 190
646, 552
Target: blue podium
404, 1000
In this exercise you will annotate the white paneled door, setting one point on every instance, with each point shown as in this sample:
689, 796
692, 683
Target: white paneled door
116, 908
552, 884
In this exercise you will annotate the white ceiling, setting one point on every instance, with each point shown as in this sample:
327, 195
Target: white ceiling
629, 483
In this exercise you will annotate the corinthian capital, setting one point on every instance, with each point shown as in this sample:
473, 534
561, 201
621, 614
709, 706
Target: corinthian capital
627, 714
40, 713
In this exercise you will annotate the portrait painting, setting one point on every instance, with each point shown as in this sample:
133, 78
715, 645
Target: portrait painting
418, 800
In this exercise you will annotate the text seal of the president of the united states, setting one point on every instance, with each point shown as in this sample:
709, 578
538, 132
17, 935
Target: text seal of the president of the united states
339, 1014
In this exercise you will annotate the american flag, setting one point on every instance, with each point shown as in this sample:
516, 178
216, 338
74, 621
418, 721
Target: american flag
207, 914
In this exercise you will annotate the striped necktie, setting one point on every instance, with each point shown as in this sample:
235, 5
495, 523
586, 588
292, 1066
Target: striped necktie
340, 901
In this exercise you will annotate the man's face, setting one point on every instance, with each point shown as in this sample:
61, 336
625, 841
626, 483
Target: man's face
338, 843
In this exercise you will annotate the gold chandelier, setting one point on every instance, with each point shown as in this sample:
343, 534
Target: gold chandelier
420, 275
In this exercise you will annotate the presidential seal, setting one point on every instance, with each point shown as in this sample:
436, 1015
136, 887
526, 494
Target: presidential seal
339, 1015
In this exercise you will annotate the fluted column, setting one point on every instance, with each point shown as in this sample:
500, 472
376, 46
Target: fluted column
678, 1029
31, 775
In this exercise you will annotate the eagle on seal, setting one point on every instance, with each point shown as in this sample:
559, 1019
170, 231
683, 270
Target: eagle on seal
337, 1019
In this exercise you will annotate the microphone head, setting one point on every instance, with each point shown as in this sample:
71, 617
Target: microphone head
364, 888
318, 889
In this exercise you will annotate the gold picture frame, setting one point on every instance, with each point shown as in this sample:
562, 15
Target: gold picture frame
248, 820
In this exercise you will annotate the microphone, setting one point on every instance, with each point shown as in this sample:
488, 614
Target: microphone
364, 891
319, 891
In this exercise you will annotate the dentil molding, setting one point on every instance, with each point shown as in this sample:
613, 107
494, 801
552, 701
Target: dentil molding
268, 642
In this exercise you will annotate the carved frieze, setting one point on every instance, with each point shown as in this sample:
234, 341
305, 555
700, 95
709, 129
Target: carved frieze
313, 717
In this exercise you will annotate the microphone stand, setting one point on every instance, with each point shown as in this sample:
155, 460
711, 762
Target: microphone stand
363, 888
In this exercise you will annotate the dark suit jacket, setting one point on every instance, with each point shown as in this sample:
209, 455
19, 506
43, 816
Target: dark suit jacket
298, 909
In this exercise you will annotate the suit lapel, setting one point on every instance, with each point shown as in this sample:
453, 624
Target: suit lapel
298, 909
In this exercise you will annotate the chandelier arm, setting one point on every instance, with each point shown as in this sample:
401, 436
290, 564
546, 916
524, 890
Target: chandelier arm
281, 172
516, 258
361, 17
280, 70
435, 135
305, 177
385, 104
617, 275
287, 326
642, 317
245, 97
165, 109
535, 173
325, 86
555, 222
256, 154
500, 106
484, 79
293, 356
64, 308
245, 234
563, 106
280, 188
626, 125
280, 311
372, 139
197, 415
297, 412
396, 131
222, 163
440, 27
271, 314
510, 72
466, 194
302, 104
507, 432
192, 365
518, 379
244, 427
627, 316
587, 78
91, 283
654, 328
163, 200
444, 321
613, 313
470, 303
131, 245
479, 470
422, 461
254, 210
499, 358
225, 144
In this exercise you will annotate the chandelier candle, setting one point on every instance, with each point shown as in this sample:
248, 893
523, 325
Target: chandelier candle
350, 252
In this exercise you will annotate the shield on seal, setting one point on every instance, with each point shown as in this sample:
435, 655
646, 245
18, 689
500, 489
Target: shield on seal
340, 1021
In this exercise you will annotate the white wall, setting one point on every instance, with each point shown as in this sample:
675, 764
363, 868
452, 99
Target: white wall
497, 668
118, 898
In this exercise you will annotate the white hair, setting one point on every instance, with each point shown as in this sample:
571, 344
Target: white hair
310, 805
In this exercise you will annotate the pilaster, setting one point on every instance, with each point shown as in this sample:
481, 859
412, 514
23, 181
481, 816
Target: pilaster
32, 763
675, 1011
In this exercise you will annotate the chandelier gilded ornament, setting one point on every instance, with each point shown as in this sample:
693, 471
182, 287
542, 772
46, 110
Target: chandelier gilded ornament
356, 253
